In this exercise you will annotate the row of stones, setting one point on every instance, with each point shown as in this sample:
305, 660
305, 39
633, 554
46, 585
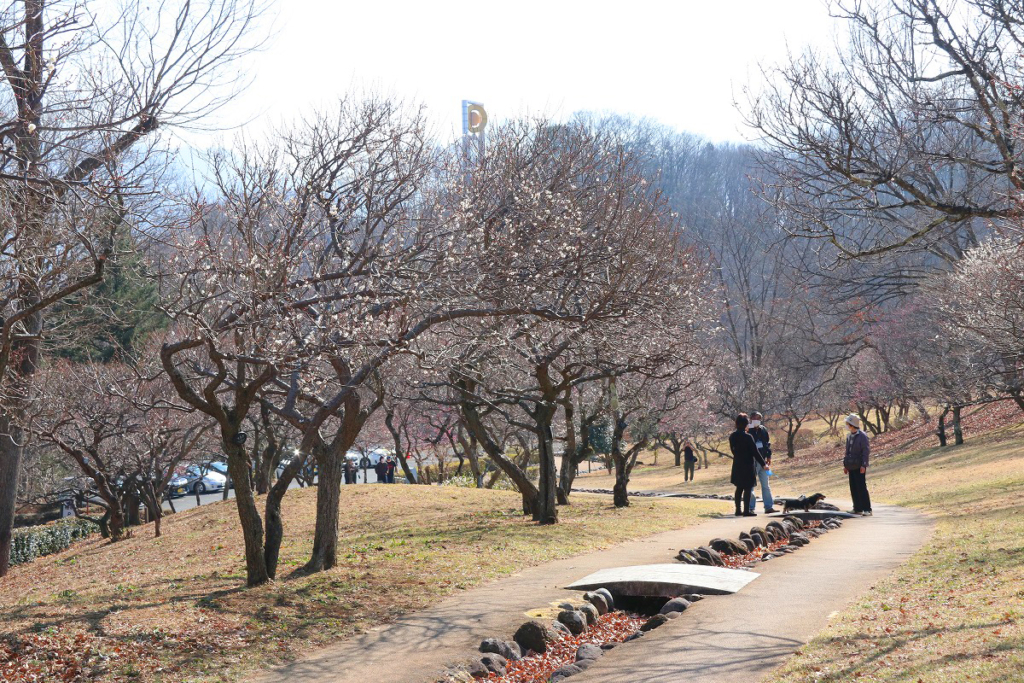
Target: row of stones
792, 530
573, 620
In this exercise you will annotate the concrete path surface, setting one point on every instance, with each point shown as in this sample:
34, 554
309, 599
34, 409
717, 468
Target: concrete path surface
742, 634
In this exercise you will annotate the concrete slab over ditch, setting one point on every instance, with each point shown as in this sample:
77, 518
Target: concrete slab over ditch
665, 580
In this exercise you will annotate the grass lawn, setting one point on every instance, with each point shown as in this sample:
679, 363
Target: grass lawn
174, 609
955, 612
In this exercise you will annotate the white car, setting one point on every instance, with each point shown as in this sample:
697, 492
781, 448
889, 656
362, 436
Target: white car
203, 479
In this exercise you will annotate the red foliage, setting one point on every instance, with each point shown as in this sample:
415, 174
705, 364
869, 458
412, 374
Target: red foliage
755, 555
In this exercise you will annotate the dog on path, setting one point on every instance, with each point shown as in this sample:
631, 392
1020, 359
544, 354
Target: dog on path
804, 503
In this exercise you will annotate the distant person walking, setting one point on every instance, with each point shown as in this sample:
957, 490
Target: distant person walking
855, 464
764, 447
351, 472
689, 462
391, 470
744, 456
381, 470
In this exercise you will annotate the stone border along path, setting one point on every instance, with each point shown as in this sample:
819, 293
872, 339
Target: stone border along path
746, 634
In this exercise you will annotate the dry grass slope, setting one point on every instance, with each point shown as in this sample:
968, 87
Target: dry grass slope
172, 609
955, 612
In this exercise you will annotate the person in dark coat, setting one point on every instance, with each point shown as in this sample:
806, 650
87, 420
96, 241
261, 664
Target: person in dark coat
381, 470
350, 471
855, 465
744, 457
689, 462
391, 469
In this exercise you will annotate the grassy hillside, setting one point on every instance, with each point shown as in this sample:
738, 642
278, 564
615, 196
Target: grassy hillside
955, 612
173, 608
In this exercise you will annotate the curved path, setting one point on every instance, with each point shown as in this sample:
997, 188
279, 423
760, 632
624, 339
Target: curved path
722, 638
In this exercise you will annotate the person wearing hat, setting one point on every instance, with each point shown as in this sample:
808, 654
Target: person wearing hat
764, 447
855, 464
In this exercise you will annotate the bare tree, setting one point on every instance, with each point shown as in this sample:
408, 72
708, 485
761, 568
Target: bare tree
122, 431
906, 139
85, 83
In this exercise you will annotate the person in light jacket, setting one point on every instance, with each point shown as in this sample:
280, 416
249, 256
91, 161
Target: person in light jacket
855, 465
744, 456
764, 447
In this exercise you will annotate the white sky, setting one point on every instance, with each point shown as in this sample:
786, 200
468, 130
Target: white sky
679, 62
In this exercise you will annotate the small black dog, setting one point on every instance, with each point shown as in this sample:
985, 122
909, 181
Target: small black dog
804, 503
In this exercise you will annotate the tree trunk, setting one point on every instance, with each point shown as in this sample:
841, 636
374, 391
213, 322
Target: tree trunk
256, 568
546, 511
10, 470
620, 492
941, 432
958, 433
522, 482
328, 509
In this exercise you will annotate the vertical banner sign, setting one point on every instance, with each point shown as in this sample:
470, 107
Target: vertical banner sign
474, 124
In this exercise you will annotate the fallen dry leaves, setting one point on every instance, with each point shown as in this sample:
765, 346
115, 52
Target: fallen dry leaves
613, 627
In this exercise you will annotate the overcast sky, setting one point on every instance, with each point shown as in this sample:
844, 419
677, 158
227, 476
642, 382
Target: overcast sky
678, 61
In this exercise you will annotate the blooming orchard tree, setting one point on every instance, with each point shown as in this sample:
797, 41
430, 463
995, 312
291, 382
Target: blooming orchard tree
570, 224
983, 298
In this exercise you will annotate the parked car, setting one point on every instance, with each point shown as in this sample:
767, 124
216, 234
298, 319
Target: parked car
200, 479
222, 469
177, 486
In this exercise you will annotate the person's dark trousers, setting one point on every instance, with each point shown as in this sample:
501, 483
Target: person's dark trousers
859, 491
743, 495
688, 471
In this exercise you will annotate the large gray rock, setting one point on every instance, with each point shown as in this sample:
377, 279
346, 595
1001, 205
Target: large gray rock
598, 601
494, 663
712, 555
535, 636
560, 628
795, 521
727, 546
573, 620
675, 605
589, 612
688, 557
509, 651
607, 598
589, 651
654, 622
478, 669
778, 529
564, 672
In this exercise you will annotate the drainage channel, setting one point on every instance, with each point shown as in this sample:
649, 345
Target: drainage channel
621, 604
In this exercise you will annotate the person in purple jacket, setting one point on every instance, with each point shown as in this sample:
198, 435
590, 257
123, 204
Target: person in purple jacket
855, 464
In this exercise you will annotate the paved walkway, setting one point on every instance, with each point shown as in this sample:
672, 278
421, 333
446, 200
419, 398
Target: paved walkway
719, 638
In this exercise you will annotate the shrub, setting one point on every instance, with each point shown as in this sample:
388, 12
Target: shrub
469, 481
37, 541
